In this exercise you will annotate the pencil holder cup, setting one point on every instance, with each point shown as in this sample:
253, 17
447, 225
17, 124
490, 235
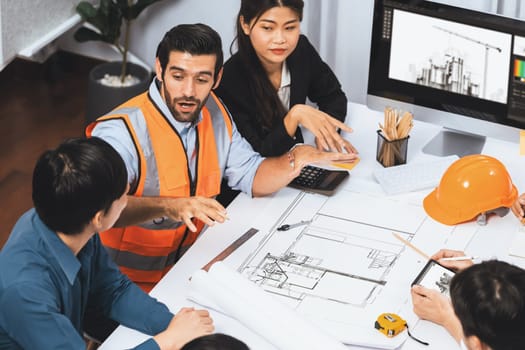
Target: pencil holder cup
390, 153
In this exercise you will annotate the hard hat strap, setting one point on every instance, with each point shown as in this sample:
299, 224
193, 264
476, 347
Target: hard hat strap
482, 218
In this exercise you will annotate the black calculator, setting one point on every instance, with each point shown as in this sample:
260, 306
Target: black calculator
319, 180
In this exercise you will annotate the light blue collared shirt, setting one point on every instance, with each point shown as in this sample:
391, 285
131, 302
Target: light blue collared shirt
45, 289
242, 161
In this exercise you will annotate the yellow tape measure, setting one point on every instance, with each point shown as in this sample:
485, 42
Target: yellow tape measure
390, 324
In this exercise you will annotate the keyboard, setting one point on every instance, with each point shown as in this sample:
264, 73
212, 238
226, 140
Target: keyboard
414, 176
318, 180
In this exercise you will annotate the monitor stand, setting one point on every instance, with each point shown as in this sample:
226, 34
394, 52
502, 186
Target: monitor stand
449, 142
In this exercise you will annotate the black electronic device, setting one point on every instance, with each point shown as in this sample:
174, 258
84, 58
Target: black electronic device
319, 180
435, 276
459, 68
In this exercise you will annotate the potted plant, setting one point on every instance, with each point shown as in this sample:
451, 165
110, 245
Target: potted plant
112, 83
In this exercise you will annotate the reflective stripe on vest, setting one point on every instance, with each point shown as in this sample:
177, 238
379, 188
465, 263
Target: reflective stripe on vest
146, 252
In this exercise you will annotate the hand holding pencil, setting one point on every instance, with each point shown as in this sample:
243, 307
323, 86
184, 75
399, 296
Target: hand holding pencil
453, 259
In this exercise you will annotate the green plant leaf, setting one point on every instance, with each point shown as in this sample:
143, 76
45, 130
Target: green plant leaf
107, 19
106, 6
113, 24
108, 16
86, 10
84, 34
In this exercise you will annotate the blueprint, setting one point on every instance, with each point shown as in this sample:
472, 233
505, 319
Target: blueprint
344, 266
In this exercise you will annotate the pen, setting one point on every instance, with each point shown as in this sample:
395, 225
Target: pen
287, 227
459, 258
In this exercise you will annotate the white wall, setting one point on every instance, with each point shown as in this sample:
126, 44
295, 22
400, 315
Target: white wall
352, 28
344, 41
340, 29
24, 22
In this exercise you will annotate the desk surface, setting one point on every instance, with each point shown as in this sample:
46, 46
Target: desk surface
173, 288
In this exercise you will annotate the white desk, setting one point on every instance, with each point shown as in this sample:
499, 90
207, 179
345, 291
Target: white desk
172, 290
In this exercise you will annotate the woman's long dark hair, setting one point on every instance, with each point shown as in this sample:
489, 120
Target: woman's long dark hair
268, 105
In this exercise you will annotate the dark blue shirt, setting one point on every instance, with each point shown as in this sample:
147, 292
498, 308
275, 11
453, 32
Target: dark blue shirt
45, 289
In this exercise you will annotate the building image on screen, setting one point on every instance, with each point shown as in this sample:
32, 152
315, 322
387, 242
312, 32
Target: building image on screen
450, 56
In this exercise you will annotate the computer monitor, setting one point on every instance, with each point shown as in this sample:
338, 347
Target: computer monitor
459, 68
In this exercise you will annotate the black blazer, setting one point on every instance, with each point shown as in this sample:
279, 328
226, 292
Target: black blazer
310, 77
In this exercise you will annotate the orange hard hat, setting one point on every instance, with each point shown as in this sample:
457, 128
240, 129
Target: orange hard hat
472, 185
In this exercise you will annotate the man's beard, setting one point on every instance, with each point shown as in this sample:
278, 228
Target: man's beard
183, 117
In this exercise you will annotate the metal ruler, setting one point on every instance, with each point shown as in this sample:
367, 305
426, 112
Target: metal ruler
231, 248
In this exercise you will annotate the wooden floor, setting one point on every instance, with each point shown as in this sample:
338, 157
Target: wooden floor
40, 105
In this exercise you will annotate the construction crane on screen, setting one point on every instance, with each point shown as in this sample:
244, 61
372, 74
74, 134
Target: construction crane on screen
487, 47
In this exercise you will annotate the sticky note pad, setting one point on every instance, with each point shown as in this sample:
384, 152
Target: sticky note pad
522, 142
347, 166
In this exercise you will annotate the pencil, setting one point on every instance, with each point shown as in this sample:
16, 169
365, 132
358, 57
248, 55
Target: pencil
410, 245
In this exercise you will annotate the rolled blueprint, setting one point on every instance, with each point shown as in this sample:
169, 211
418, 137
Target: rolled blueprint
237, 297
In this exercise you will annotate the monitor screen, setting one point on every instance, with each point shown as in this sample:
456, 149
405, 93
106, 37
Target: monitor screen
461, 62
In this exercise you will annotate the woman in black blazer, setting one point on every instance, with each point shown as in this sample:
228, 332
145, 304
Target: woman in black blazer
266, 83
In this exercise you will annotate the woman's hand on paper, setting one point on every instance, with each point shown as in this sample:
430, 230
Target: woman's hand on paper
323, 126
305, 154
453, 265
346, 146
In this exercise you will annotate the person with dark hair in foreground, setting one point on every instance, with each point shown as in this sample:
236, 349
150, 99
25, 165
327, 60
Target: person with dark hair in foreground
486, 309
54, 267
217, 341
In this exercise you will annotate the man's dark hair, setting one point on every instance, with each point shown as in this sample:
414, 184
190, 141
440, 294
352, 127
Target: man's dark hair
75, 181
489, 300
195, 39
217, 341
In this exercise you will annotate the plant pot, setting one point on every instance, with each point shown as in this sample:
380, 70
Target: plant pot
101, 99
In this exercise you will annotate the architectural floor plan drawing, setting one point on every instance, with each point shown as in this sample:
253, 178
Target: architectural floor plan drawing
353, 272
344, 266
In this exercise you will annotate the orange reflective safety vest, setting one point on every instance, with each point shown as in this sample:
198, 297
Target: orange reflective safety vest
145, 253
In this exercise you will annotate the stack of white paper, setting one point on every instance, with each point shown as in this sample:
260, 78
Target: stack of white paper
227, 291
